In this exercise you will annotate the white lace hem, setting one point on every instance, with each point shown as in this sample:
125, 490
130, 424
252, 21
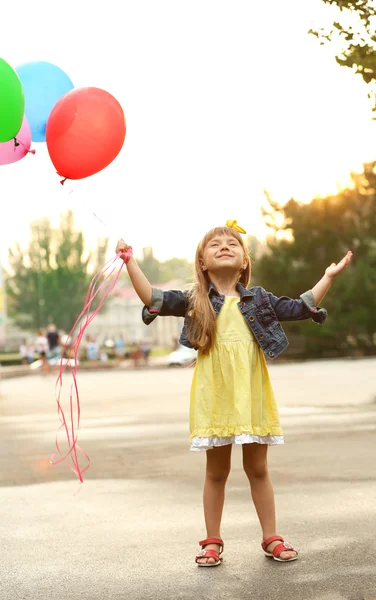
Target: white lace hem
245, 438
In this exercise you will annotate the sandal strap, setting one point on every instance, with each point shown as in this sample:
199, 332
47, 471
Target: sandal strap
208, 554
274, 538
213, 541
284, 547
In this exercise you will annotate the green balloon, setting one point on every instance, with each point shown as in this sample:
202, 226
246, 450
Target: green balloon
12, 102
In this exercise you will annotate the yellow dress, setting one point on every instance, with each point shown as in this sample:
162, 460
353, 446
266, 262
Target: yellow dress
232, 400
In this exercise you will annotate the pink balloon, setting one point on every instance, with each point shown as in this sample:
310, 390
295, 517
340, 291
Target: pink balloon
17, 148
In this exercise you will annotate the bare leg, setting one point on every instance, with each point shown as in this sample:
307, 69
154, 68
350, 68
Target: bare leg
218, 464
256, 468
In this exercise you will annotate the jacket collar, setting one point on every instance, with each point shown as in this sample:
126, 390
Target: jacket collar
241, 289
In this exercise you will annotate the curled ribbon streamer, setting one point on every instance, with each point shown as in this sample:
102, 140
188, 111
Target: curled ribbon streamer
71, 432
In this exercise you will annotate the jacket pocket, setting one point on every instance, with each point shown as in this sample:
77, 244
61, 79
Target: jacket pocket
266, 316
277, 332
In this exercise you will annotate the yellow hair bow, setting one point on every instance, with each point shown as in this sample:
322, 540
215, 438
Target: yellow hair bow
234, 225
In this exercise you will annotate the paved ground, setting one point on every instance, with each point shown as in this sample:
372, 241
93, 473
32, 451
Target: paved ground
132, 530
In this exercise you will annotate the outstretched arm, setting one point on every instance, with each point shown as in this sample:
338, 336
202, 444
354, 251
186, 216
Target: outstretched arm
322, 286
140, 283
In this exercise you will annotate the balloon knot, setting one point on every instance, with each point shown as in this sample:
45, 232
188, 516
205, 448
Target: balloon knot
63, 180
31, 151
16, 142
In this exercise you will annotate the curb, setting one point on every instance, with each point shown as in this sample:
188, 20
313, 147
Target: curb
25, 371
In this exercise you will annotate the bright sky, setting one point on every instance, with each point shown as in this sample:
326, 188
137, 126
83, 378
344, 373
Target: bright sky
222, 99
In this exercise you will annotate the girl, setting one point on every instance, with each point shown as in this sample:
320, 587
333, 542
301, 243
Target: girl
232, 401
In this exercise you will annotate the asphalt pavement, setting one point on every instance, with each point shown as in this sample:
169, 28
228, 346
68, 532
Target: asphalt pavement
131, 529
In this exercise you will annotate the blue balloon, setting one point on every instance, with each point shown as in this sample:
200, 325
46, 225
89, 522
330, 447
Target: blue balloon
43, 84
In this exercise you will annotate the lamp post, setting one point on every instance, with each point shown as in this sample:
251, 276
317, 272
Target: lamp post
2, 309
40, 286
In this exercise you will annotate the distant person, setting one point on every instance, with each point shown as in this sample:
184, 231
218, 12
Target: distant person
92, 349
65, 345
120, 346
53, 339
26, 351
232, 401
145, 348
136, 353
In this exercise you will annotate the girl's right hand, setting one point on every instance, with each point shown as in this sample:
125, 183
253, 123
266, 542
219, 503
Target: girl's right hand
121, 247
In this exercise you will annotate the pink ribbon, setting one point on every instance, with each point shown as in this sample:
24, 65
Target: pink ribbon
110, 277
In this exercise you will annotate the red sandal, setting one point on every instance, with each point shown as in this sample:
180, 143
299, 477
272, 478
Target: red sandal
279, 548
210, 553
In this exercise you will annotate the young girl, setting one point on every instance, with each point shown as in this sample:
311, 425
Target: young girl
232, 401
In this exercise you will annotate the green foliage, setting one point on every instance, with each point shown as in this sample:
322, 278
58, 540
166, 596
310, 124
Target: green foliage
149, 265
48, 282
162, 272
306, 239
357, 36
176, 268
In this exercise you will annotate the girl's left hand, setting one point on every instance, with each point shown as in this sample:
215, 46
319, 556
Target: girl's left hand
334, 269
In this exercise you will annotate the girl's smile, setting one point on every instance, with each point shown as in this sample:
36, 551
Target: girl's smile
224, 249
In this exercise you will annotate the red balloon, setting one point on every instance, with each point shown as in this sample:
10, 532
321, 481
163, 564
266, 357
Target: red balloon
85, 132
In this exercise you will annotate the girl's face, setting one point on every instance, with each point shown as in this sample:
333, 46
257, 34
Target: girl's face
223, 253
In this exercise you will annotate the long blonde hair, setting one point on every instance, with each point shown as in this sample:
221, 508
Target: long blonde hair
201, 322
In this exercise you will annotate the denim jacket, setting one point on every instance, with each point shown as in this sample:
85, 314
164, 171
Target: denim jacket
262, 311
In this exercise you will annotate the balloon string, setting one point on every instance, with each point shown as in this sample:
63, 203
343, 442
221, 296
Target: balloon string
72, 441
100, 220
75, 345
84, 318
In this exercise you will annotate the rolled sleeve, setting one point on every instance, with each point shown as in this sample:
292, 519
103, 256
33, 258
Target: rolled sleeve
170, 303
289, 309
318, 315
149, 313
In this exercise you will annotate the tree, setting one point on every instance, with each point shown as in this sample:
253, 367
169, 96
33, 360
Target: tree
306, 239
357, 36
149, 265
162, 272
176, 268
48, 282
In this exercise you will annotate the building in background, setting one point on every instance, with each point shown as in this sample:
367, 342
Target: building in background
123, 316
